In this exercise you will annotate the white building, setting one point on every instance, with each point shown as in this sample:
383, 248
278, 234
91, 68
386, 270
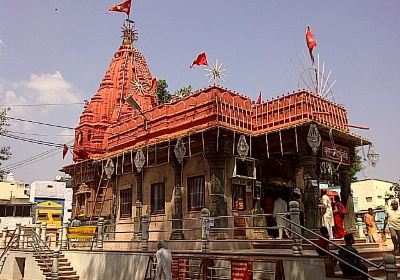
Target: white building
55, 191
14, 203
371, 193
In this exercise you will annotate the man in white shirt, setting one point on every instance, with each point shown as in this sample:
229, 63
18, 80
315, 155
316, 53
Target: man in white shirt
280, 207
327, 218
164, 263
392, 220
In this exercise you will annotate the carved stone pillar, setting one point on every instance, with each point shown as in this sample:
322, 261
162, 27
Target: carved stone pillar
218, 205
347, 200
312, 215
177, 216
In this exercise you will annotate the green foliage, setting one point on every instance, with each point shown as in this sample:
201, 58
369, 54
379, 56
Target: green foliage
356, 166
5, 152
184, 91
163, 95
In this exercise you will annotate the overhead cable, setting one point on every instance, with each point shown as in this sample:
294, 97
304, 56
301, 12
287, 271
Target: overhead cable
41, 123
42, 104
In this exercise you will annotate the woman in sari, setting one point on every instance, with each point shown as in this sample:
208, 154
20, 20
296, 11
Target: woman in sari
338, 215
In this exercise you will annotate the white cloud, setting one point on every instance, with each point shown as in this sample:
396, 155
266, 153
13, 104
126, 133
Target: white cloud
50, 88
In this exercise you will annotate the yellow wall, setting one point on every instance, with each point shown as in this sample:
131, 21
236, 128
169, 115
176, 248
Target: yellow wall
16, 189
52, 211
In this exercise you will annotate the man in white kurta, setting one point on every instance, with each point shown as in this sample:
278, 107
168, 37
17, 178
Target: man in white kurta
327, 218
164, 263
280, 207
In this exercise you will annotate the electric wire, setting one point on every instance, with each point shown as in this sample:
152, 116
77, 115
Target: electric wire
31, 140
41, 123
41, 104
32, 158
34, 161
37, 134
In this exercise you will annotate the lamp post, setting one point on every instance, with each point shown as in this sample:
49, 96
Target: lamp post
373, 155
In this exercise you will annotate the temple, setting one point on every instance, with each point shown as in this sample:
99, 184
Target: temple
214, 149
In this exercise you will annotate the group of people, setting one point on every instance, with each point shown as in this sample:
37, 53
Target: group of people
332, 215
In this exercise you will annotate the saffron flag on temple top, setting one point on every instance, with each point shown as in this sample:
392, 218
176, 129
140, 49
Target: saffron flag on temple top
311, 44
153, 83
259, 100
124, 7
65, 150
200, 60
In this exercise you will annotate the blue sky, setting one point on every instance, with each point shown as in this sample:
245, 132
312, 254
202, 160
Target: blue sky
58, 51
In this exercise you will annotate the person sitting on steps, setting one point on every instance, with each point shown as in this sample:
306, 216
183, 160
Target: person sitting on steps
351, 259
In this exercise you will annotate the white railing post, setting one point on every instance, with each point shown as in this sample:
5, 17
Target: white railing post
43, 228
54, 270
38, 228
390, 267
64, 241
17, 233
21, 237
145, 232
295, 218
4, 237
100, 233
205, 229
360, 226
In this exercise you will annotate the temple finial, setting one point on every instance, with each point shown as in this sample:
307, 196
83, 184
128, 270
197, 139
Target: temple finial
129, 33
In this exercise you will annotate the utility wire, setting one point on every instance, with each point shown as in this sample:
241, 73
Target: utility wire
41, 123
31, 140
36, 134
43, 104
34, 161
11, 166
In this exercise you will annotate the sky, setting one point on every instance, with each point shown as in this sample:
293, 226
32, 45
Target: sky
56, 52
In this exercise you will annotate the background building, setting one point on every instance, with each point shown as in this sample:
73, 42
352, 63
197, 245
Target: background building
52, 200
14, 203
371, 193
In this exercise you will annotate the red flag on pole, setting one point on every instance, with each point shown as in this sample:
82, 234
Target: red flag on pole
311, 44
200, 60
153, 83
124, 7
65, 150
259, 100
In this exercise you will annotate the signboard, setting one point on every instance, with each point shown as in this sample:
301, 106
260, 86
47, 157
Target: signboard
180, 268
335, 153
207, 222
82, 232
241, 270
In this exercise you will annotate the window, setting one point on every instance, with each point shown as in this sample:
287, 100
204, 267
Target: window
49, 186
158, 198
10, 211
379, 197
238, 197
2, 210
18, 210
125, 203
368, 199
27, 211
42, 216
196, 193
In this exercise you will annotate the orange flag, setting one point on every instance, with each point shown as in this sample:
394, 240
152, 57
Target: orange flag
200, 60
65, 150
311, 44
153, 83
124, 7
259, 100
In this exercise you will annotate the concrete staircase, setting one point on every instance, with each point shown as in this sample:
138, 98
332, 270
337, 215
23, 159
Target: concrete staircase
370, 251
65, 270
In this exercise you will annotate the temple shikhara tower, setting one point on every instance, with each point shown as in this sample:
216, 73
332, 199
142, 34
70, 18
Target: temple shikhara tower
214, 149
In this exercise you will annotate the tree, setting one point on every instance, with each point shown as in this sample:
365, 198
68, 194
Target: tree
356, 166
163, 95
184, 91
5, 152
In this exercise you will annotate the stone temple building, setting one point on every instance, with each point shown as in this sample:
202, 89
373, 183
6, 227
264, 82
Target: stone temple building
214, 149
